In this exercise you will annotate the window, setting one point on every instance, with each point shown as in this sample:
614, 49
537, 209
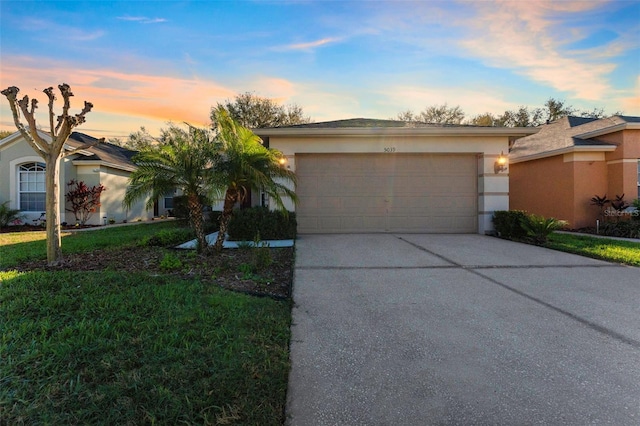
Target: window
31, 187
168, 202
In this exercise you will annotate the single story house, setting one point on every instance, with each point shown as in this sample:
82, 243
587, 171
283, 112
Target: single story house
22, 178
557, 171
363, 175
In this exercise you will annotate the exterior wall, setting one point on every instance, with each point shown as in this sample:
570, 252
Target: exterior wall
590, 179
115, 181
560, 187
623, 163
493, 190
12, 156
19, 152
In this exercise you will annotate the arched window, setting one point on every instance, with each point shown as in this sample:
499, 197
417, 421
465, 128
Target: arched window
31, 187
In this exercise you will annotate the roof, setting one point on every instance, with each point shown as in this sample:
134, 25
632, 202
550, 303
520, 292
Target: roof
101, 152
360, 123
369, 126
570, 134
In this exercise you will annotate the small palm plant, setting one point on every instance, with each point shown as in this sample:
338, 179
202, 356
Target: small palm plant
182, 160
245, 164
539, 228
620, 205
9, 215
601, 202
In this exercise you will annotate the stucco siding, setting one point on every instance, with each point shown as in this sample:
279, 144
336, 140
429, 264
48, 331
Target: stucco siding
553, 187
111, 200
13, 154
590, 179
544, 187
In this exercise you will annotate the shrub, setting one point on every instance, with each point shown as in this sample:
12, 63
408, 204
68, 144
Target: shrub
636, 214
539, 228
601, 202
169, 237
8, 215
622, 228
170, 262
84, 200
246, 224
508, 224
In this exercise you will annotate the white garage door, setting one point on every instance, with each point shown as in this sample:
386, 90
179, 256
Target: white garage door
432, 193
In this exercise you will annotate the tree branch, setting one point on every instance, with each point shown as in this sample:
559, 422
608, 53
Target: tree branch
52, 98
66, 92
36, 142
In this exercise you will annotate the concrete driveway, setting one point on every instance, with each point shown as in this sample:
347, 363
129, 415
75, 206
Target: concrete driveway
460, 329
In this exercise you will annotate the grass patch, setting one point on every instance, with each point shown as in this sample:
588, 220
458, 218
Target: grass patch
140, 346
113, 348
625, 252
20, 247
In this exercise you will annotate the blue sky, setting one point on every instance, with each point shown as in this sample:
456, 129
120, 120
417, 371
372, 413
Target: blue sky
147, 63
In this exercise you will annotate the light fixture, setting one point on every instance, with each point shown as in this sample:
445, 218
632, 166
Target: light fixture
282, 161
501, 164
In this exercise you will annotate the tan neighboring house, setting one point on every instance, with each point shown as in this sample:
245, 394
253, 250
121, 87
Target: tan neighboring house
557, 171
363, 175
22, 178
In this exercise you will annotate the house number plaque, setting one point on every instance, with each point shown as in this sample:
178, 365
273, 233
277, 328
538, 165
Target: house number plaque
389, 149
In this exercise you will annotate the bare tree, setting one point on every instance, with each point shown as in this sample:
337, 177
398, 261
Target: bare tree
51, 150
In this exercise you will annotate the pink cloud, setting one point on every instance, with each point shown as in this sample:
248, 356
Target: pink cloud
158, 97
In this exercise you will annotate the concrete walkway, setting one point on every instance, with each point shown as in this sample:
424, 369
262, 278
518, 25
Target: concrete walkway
460, 329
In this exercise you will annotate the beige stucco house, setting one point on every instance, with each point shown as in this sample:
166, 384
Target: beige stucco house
22, 178
363, 175
557, 171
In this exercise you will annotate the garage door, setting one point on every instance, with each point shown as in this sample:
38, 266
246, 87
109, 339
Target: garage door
430, 193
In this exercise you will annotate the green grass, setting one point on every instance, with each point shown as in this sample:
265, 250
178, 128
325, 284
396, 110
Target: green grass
23, 246
119, 348
599, 248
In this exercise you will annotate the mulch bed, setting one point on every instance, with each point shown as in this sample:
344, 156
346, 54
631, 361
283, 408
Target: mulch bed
229, 269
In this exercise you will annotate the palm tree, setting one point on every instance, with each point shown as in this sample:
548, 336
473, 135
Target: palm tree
246, 164
183, 160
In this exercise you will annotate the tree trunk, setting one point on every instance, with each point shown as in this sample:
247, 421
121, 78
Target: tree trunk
230, 199
195, 211
52, 200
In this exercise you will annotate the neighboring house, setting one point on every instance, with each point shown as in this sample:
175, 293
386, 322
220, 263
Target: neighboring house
22, 178
557, 171
363, 175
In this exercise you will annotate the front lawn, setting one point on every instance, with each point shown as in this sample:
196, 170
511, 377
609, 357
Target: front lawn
139, 345
599, 248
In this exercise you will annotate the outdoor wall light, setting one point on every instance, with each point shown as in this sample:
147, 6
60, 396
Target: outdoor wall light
283, 162
501, 164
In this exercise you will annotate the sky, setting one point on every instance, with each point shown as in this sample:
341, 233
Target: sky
148, 63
